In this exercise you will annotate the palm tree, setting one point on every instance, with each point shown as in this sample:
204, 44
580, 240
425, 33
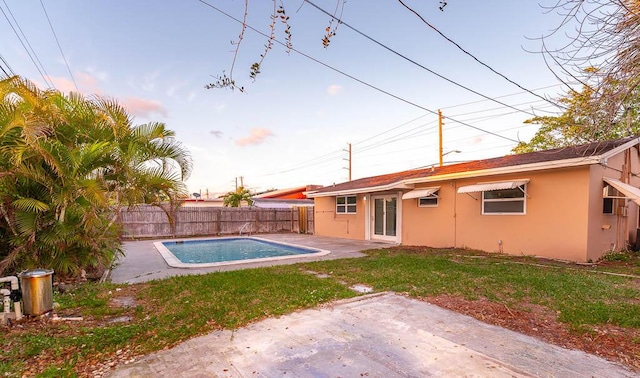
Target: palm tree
235, 199
66, 162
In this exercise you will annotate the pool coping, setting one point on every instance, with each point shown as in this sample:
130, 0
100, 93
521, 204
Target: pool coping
174, 262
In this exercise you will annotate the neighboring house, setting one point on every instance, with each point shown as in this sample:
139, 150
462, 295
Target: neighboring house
285, 198
572, 203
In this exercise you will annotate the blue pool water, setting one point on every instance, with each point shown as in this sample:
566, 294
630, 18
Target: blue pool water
230, 249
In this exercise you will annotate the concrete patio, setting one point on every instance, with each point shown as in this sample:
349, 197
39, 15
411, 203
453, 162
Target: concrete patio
375, 335
379, 335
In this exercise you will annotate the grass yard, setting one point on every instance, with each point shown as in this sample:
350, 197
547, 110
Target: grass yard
569, 305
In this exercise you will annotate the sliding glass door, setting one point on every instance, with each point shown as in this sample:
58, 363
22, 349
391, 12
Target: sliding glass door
385, 216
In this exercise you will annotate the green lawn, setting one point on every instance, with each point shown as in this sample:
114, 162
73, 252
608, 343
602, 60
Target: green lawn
169, 311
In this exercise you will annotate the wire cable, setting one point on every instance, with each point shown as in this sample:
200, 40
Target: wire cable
28, 43
503, 96
348, 75
60, 47
413, 61
475, 58
26, 49
8, 68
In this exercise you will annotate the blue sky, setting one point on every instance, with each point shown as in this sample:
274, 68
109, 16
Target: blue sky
291, 126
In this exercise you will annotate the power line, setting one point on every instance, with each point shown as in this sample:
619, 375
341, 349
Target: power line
475, 58
25, 47
413, 61
8, 67
59, 47
481, 119
348, 75
391, 129
28, 44
503, 96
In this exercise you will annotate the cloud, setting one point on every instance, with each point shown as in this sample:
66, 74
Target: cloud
149, 81
216, 133
173, 89
87, 84
141, 107
334, 89
62, 84
256, 136
100, 75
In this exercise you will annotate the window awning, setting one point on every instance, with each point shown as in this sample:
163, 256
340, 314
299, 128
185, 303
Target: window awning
492, 186
422, 192
632, 192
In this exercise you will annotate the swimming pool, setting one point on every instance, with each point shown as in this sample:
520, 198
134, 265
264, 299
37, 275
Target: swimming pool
201, 253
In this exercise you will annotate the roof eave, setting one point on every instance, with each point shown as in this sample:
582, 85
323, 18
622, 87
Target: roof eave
410, 183
381, 188
575, 162
620, 148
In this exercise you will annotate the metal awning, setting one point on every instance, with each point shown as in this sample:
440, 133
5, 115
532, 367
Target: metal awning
487, 186
632, 192
422, 192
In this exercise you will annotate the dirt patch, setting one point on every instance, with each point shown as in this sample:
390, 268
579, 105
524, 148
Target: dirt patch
615, 344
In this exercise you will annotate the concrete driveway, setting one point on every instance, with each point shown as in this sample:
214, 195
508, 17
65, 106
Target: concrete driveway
377, 335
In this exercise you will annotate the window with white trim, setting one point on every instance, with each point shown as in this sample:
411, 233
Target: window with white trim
346, 204
429, 201
504, 201
611, 199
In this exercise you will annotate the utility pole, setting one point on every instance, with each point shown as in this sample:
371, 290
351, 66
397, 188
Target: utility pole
440, 135
349, 159
241, 182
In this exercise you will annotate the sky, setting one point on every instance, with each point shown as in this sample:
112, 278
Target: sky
378, 85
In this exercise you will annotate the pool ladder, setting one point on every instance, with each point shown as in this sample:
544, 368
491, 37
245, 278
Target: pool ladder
244, 226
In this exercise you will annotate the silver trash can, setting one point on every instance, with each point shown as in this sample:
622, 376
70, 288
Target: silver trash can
37, 291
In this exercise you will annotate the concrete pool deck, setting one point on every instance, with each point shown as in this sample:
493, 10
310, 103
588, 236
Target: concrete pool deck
142, 261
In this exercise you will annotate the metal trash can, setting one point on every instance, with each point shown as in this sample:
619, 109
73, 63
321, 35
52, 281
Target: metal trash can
37, 291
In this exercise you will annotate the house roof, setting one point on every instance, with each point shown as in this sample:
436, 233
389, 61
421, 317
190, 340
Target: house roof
278, 203
592, 153
289, 193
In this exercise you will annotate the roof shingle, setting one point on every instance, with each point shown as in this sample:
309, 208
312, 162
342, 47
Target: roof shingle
564, 153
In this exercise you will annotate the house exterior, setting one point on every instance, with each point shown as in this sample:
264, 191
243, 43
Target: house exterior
572, 203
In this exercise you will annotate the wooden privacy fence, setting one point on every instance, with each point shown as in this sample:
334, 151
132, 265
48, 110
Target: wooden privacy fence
152, 222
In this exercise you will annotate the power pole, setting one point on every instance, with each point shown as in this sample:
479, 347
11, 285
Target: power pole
236, 184
440, 135
241, 182
349, 160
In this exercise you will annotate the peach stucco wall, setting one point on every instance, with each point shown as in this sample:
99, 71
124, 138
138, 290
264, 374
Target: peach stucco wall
555, 223
563, 219
328, 223
607, 232
432, 226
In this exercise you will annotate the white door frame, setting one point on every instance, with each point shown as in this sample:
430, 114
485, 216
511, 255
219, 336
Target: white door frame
370, 217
